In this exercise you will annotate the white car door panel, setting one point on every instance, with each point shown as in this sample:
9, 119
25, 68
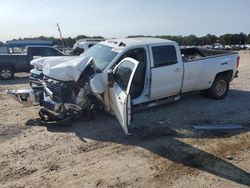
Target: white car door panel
119, 93
166, 81
119, 100
166, 73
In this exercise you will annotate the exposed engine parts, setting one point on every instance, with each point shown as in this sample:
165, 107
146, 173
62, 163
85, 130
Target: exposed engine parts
70, 100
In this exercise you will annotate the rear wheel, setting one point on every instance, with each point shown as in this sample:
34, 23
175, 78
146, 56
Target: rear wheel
219, 89
6, 73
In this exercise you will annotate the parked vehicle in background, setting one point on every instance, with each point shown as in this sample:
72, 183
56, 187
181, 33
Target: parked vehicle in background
218, 46
208, 46
13, 63
4, 50
84, 44
248, 46
124, 74
228, 47
242, 46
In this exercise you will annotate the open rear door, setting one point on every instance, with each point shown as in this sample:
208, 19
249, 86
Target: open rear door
119, 93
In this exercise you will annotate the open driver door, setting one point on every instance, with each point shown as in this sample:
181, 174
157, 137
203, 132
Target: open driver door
119, 91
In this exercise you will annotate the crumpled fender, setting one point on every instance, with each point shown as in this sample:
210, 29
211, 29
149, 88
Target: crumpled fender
69, 70
41, 62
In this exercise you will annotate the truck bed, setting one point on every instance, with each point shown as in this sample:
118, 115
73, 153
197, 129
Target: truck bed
192, 54
201, 70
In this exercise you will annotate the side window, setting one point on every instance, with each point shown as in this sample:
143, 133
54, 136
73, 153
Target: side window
164, 55
122, 74
55, 52
50, 52
36, 52
90, 45
138, 54
78, 51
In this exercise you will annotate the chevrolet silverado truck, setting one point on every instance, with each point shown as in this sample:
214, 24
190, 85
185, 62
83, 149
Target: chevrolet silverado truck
14, 63
119, 75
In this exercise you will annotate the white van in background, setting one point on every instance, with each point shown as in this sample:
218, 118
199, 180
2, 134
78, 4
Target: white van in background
82, 45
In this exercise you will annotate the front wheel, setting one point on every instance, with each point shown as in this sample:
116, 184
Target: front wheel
204, 93
219, 89
6, 73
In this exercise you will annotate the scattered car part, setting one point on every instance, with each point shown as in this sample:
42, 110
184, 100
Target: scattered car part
217, 127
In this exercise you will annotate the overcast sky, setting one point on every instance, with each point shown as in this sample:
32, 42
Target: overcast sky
120, 18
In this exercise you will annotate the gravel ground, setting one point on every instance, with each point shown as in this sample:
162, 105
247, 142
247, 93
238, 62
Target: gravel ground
163, 150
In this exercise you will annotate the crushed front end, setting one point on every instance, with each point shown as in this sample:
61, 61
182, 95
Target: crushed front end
60, 100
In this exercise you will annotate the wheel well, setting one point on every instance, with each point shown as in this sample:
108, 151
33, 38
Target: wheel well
227, 74
10, 66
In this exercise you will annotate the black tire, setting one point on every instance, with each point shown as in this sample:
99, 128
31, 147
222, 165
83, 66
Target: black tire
219, 89
6, 73
204, 93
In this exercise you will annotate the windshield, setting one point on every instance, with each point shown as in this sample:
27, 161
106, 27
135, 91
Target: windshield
102, 55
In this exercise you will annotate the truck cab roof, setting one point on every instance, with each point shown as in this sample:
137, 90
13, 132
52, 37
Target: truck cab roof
121, 43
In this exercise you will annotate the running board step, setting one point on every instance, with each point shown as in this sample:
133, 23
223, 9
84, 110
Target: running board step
155, 103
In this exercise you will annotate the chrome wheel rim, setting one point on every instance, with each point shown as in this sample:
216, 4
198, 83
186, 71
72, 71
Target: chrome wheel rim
6, 73
221, 87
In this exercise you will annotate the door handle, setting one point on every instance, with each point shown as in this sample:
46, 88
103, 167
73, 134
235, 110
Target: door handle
177, 70
120, 100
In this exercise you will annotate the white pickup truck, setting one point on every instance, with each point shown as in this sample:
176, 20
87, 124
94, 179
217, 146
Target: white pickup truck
121, 74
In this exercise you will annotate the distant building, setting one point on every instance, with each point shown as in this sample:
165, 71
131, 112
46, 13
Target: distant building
17, 46
25, 43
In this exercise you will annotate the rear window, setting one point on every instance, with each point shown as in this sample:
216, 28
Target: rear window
50, 52
164, 56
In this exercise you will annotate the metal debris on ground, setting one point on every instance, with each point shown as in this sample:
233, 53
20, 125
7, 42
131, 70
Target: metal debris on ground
217, 127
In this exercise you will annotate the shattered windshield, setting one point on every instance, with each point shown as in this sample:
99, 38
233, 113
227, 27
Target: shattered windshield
102, 55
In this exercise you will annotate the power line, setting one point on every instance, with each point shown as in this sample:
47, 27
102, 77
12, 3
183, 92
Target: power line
59, 30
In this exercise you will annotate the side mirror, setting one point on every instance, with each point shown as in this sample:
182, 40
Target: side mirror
110, 78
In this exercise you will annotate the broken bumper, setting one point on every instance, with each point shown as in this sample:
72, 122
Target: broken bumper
43, 96
53, 111
27, 97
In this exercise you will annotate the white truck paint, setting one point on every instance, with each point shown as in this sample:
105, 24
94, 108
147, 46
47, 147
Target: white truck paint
165, 81
153, 70
74, 69
197, 74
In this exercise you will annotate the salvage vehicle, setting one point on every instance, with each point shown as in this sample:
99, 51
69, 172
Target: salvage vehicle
14, 63
119, 75
82, 45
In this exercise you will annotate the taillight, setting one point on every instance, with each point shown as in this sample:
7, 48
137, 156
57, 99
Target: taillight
238, 61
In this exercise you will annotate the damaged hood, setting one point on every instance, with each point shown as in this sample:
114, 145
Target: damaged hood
68, 69
41, 62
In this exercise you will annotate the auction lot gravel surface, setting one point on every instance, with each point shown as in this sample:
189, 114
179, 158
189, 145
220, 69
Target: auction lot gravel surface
163, 150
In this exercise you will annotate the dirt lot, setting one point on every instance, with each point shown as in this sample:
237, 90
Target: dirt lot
163, 151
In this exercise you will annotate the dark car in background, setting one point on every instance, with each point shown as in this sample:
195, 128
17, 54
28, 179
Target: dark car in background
14, 63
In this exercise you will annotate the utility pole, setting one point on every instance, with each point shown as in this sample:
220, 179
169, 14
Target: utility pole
59, 30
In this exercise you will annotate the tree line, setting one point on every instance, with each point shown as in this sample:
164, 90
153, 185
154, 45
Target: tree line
68, 42
226, 39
